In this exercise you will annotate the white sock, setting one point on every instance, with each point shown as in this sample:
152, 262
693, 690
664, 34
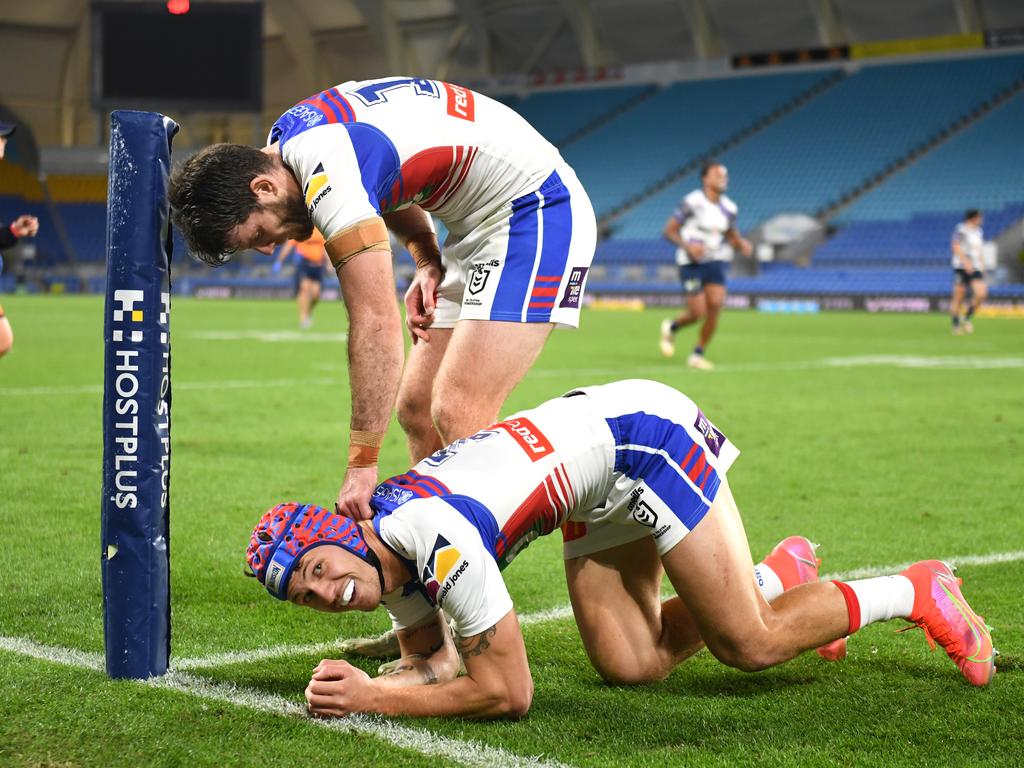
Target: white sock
768, 581
882, 598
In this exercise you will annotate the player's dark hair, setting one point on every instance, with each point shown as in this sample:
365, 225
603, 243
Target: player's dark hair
970, 213
706, 168
210, 195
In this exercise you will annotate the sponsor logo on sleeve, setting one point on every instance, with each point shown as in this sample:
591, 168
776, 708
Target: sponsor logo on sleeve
460, 102
317, 188
444, 567
574, 288
530, 439
712, 437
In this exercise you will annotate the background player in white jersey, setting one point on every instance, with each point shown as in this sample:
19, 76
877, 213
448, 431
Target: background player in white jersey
634, 474
699, 228
364, 157
968, 271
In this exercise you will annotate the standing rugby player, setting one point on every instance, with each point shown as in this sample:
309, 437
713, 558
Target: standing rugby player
968, 271
364, 157
699, 228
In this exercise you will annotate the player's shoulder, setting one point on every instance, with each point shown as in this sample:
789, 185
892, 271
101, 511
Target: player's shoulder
728, 204
694, 198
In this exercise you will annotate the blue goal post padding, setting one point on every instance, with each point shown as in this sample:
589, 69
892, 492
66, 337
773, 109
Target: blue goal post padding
137, 398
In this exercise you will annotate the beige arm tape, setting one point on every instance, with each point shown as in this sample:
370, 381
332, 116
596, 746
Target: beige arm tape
366, 235
424, 249
364, 447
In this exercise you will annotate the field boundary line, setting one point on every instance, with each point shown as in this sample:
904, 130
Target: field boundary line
470, 753
559, 612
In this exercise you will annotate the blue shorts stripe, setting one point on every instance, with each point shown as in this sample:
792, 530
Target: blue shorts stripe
557, 229
685, 455
520, 256
663, 478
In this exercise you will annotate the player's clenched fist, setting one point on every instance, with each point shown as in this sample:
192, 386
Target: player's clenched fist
338, 689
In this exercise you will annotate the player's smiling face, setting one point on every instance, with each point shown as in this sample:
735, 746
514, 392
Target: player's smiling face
329, 578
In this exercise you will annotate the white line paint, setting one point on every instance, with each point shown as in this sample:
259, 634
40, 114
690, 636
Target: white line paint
893, 361
470, 753
561, 612
582, 376
466, 752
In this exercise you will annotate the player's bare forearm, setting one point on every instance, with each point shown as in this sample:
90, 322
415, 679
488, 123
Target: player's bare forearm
375, 348
498, 683
416, 231
428, 655
671, 233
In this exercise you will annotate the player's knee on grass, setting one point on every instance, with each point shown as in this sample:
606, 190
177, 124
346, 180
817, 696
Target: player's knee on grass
632, 671
745, 653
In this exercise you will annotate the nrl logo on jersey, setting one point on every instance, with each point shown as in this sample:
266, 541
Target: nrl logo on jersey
316, 188
481, 271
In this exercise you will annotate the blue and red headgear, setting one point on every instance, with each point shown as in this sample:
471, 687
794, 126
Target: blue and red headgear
288, 531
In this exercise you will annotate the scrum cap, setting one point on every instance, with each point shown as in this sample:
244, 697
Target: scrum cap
288, 531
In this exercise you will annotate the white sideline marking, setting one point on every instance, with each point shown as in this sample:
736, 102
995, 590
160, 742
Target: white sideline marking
895, 361
563, 612
579, 375
471, 753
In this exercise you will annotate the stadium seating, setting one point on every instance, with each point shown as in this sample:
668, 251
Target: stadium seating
810, 157
839, 130
978, 168
642, 145
559, 115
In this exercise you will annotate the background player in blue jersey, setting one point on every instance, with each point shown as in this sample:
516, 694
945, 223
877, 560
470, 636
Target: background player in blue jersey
364, 157
634, 474
699, 228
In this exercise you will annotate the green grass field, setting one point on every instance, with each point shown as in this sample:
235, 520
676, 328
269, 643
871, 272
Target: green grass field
882, 437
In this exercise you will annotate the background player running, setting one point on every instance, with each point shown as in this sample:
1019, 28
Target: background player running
309, 273
699, 228
634, 473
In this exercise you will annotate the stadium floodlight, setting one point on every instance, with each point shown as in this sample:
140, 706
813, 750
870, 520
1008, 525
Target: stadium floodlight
137, 398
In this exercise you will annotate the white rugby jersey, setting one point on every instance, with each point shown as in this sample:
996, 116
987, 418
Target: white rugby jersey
702, 221
364, 148
972, 240
461, 515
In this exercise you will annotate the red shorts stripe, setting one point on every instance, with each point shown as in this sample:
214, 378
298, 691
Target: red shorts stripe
541, 304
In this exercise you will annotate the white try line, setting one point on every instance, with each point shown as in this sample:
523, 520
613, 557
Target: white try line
558, 612
471, 753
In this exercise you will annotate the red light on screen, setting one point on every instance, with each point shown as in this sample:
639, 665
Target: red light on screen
178, 7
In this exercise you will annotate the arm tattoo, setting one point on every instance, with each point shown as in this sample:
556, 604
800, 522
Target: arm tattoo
474, 646
429, 677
